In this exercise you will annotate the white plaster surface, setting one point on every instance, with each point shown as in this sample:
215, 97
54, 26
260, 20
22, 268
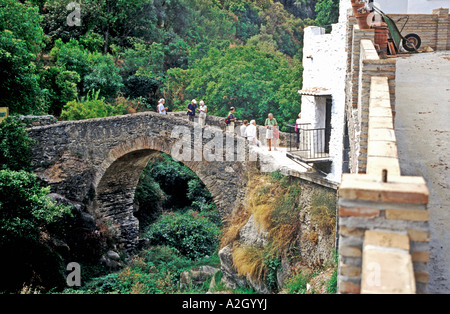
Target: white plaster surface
411, 6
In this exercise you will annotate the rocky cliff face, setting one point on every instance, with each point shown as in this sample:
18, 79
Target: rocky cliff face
249, 235
314, 245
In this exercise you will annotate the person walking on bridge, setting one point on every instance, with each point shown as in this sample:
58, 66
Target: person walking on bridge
202, 116
271, 125
244, 129
231, 118
191, 110
161, 108
251, 134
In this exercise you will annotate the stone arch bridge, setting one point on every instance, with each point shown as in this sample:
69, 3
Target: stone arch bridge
97, 163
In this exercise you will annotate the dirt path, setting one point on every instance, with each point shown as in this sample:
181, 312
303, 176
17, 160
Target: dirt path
423, 134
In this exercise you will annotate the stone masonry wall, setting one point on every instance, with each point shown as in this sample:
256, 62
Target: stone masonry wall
371, 66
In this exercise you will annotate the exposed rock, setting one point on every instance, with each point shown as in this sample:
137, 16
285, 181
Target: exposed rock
315, 246
283, 273
197, 276
111, 260
251, 234
230, 278
113, 255
31, 121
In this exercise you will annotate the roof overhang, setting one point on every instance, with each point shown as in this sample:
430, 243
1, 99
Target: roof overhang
315, 91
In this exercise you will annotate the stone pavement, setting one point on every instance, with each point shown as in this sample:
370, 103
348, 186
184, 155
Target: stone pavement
423, 136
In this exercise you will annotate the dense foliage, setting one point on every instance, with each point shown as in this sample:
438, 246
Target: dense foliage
26, 215
91, 107
15, 146
168, 185
244, 53
191, 234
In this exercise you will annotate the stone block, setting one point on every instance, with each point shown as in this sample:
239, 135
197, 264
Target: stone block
358, 212
387, 239
410, 215
387, 272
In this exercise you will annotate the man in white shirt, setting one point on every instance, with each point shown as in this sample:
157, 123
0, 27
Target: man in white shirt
251, 134
244, 128
161, 109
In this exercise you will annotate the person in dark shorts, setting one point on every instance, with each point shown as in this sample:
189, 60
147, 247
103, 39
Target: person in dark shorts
191, 110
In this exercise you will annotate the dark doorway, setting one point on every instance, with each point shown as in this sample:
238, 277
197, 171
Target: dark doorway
329, 106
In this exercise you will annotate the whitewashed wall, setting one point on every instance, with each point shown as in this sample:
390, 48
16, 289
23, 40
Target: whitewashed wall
324, 62
411, 6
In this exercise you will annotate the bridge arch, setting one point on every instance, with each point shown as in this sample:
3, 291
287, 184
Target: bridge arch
116, 181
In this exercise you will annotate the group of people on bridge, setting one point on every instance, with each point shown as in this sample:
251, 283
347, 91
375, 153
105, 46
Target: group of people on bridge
248, 130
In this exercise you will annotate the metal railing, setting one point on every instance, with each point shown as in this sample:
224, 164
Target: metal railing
308, 144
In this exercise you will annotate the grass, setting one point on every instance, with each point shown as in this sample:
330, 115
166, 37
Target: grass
248, 260
296, 284
332, 283
323, 210
232, 227
276, 210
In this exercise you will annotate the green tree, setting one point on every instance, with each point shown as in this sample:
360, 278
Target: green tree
97, 71
23, 20
21, 39
256, 79
143, 60
60, 87
19, 81
15, 146
327, 13
286, 29
117, 20
103, 76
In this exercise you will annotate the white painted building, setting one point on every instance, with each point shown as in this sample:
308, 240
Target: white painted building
323, 91
411, 6
324, 77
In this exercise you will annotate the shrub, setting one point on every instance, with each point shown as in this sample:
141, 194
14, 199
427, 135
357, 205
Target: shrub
15, 146
91, 107
323, 210
192, 235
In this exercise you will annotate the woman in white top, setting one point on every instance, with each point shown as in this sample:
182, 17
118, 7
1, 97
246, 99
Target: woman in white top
203, 110
161, 108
